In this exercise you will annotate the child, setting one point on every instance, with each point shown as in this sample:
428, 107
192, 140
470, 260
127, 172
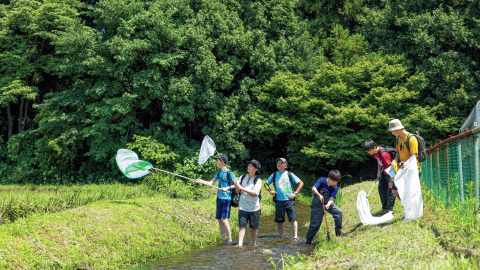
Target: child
322, 189
249, 205
226, 181
384, 160
285, 198
404, 151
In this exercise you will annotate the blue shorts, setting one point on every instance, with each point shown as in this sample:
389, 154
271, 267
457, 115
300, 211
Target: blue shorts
223, 208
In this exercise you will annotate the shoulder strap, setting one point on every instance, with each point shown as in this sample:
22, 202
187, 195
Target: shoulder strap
241, 179
407, 143
255, 180
274, 177
397, 141
290, 176
228, 176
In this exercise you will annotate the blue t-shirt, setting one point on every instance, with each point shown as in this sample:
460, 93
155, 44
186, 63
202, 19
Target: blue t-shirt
283, 187
223, 182
322, 183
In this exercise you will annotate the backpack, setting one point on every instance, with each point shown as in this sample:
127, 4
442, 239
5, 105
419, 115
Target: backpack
235, 197
274, 181
422, 146
391, 150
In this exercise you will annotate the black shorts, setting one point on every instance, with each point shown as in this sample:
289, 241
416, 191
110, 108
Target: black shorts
253, 217
281, 207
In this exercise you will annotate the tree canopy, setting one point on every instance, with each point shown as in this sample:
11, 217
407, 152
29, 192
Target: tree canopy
307, 80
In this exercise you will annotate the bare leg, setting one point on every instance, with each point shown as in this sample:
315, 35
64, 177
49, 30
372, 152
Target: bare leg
295, 228
254, 237
395, 192
280, 229
227, 229
241, 236
222, 228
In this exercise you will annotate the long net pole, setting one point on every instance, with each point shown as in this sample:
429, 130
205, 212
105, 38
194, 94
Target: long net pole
188, 178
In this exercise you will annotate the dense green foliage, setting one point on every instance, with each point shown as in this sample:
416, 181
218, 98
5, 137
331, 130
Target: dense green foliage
309, 80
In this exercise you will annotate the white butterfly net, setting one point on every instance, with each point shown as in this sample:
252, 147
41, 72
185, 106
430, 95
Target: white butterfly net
363, 211
207, 150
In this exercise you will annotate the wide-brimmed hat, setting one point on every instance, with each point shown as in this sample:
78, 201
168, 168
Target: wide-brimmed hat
395, 124
223, 158
282, 159
256, 164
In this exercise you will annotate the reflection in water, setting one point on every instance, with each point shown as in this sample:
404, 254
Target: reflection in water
227, 256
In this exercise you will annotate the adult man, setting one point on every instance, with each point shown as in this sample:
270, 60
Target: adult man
406, 146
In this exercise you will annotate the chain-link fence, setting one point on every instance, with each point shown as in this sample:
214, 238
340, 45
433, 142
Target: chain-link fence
451, 171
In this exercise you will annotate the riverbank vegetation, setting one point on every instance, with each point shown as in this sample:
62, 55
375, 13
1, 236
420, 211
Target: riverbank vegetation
443, 238
80, 79
106, 226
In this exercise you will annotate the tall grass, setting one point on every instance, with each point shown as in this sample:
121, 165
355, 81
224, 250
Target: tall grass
21, 201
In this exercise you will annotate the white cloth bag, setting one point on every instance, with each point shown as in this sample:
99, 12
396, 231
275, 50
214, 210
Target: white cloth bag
363, 211
409, 189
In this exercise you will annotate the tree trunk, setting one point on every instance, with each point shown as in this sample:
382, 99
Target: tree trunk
25, 116
20, 118
10, 121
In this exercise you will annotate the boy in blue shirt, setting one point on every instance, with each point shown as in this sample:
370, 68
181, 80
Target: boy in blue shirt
325, 191
226, 181
285, 198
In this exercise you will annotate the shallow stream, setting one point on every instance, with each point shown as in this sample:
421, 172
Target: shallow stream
227, 256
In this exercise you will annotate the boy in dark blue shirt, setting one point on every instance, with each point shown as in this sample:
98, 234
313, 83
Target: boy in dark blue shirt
325, 191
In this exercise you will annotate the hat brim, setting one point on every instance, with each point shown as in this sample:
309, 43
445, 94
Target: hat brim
396, 128
258, 170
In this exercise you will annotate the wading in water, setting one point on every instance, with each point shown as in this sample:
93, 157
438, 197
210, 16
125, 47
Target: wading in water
283, 196
250, 187
226, 181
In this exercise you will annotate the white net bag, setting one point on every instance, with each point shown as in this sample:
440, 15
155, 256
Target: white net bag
207, 150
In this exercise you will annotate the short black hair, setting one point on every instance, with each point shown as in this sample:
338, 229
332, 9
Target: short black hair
369, 144
334, 175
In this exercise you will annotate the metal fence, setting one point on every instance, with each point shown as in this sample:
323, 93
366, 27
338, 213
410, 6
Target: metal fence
451, 171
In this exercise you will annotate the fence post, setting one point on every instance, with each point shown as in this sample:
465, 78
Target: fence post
448, 175
460, 169
475, 158
439, 176
431, 171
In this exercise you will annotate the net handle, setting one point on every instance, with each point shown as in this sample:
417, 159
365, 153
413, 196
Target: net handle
189, 179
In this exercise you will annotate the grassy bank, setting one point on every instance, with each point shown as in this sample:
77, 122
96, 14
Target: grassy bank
438, 240
111, 232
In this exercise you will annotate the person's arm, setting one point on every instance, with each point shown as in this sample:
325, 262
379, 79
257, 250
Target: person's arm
330, 201
299, 187
315, 191
252, 191
267, 187
198, 180
378, 169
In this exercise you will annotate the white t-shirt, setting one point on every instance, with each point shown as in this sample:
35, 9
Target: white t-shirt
249, 203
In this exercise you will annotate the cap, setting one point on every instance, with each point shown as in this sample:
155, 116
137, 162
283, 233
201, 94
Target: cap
282, 159
256, 164
223, 158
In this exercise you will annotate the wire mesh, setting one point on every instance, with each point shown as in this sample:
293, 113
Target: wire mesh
451, 171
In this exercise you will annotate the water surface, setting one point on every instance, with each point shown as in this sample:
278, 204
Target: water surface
227, 256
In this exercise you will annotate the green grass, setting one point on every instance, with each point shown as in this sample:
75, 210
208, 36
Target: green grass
109, 233
18, 201
440, 239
